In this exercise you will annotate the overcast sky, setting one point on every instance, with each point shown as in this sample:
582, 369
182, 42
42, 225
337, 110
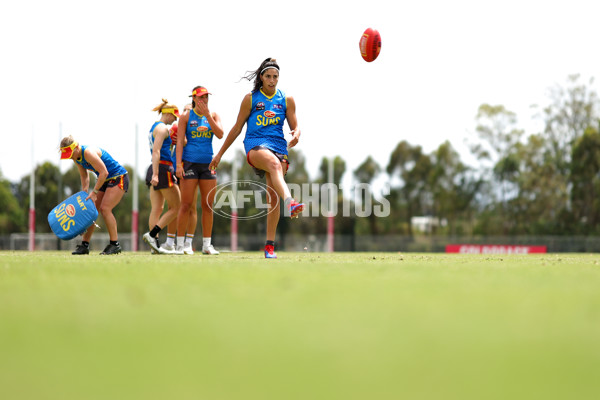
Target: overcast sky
98, 68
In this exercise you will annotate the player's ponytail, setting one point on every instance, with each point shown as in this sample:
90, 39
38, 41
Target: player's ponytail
159, 107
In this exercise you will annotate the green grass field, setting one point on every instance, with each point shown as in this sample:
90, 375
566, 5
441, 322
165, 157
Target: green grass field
305, 326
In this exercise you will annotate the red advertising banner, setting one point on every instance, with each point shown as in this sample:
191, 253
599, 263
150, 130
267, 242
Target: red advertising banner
494, 249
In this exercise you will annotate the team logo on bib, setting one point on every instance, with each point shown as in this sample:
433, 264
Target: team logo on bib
269, 114
70, 210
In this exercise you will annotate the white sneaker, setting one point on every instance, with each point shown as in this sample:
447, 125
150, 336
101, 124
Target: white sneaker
153, 242
162, 250
210, 250
169, 247
187, 249
178, 250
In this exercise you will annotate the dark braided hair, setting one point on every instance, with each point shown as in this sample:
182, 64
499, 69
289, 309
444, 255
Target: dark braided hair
255, 75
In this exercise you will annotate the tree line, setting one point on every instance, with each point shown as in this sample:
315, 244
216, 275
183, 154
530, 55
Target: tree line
523, 183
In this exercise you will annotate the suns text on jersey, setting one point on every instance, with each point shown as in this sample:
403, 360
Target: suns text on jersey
264, 121
205, 134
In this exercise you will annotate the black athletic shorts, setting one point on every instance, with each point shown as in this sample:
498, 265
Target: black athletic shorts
121, 181
193, 170
166, 176
282, 157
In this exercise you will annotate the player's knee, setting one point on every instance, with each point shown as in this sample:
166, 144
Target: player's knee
184, 207
105, 210
277, 167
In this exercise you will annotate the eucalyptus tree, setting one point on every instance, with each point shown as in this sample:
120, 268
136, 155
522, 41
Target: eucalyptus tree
409, 169
366, 173
12, 216
454, 187
585, 182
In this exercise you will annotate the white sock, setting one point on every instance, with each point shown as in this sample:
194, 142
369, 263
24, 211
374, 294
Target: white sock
170, 240
180, 240
189, 239
205, 242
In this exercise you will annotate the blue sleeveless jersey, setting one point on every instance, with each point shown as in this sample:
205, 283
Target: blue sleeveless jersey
199, 136
265, 124
114, 168
165, 150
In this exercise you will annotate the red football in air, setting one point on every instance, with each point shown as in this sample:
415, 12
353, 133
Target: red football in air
370, 45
